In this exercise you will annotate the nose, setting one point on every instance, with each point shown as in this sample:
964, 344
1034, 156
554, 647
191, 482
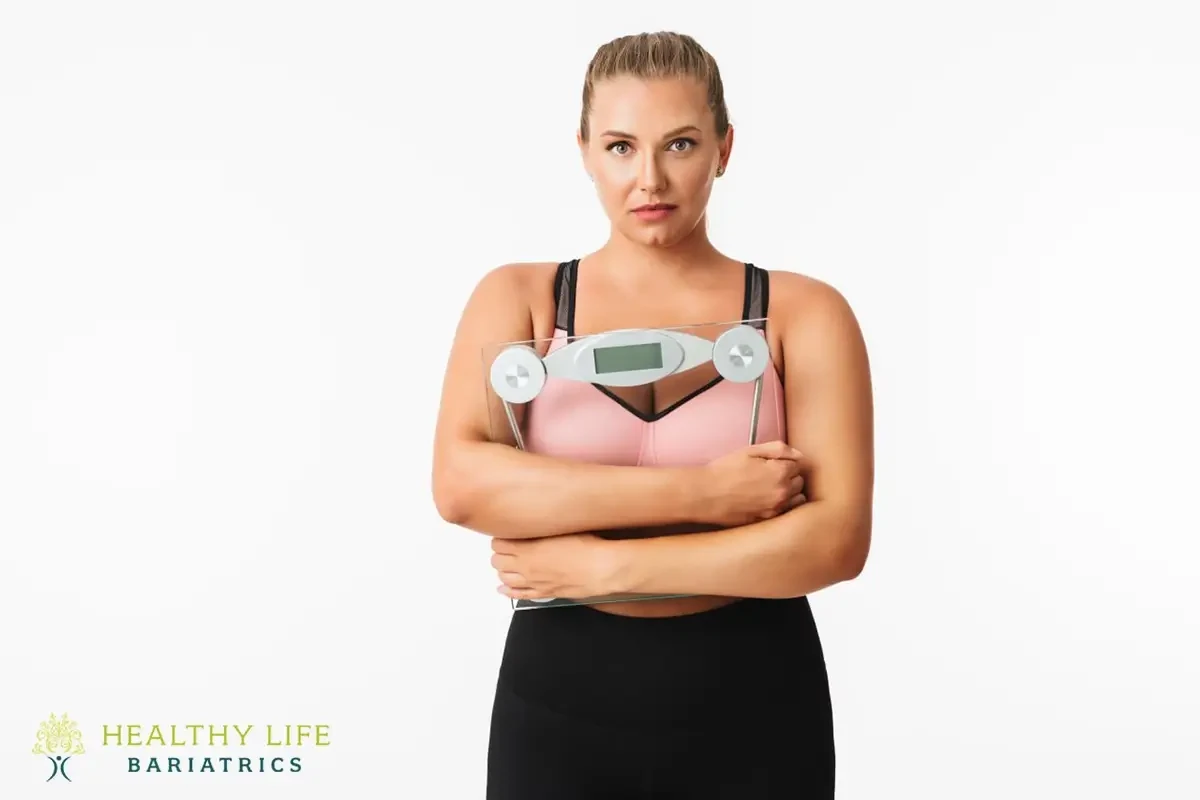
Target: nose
650, 174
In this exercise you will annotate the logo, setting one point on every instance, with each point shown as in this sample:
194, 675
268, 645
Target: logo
177, 749
58, 738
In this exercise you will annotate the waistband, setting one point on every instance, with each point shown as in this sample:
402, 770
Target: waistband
693, 671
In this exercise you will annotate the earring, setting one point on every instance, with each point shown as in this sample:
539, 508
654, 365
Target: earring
720, 171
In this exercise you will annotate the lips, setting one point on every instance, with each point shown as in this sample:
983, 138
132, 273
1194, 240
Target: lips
655, 207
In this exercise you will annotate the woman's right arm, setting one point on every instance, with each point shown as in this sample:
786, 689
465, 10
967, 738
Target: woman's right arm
494, 488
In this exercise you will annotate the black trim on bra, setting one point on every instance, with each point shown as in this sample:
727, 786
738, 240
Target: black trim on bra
564, 295
756, 296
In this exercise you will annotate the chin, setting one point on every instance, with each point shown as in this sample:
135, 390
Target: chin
666, 236
654, 239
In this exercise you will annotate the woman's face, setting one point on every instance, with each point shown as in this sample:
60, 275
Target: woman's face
653, 143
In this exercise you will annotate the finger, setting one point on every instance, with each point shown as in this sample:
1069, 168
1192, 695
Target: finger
797, 500
522, 594
796, 486
504, 562
779, 451
514, 579
787, 468
521, 591
775, 449
504, 545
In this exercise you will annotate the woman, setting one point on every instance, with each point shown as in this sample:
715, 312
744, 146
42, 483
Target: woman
720, 691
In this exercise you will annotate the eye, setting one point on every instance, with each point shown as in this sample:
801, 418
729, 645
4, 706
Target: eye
612, 148
689, 142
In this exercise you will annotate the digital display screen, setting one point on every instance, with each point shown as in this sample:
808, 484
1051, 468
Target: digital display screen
628, 357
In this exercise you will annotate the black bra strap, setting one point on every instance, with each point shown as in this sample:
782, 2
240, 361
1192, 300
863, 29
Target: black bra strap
564, 295
758, 295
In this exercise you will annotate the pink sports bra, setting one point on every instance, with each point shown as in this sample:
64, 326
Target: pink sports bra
589, 422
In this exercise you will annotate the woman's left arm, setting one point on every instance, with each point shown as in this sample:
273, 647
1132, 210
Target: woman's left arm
830, 419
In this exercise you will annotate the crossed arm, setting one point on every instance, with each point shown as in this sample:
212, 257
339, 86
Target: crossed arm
540, 509
828, 394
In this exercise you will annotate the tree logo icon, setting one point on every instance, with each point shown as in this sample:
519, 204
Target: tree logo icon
58, 738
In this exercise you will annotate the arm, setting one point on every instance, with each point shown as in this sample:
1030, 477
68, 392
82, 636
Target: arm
830, 414
494, 488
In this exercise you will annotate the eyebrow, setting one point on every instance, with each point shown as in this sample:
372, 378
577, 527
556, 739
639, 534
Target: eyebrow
669, 134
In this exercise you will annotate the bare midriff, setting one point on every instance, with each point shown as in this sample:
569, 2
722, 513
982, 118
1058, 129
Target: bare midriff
667, 607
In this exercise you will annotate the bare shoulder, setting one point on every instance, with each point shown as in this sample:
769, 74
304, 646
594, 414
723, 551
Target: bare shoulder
813, 318
515, 280
524, 285
804, 300
537, 286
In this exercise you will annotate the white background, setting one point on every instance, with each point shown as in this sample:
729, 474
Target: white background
235, 239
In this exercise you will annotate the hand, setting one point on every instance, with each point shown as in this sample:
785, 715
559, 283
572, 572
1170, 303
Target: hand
752, 484
576, 565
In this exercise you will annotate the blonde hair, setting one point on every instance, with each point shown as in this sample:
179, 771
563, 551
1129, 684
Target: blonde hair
663, 54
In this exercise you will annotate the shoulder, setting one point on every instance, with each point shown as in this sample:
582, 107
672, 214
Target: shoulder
529, 283
802, 302
524, 287
522, 278
813, 318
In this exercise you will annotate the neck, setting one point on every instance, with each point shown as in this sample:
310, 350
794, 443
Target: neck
627, 259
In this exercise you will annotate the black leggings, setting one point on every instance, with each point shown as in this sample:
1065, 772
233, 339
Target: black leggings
728, 704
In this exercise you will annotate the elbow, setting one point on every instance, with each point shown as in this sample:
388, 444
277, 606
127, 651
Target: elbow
851, 549
453, 505
839, 556
449, 504
852, 563
452, 495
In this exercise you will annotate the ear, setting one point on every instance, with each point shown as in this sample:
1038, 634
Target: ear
726, 148
582, 145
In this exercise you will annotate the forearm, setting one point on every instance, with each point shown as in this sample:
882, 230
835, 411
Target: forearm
797, 553
501, 491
